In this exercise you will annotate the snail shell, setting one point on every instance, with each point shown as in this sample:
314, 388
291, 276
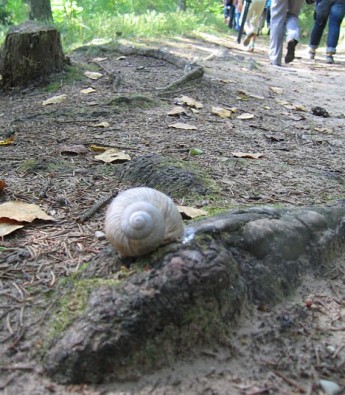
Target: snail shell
140, 219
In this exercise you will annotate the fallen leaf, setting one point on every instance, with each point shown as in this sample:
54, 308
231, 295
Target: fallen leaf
324, 130
195, 151
300, 107
93, 75
221, 112
246, 155
73, 149
275, 89
188, 101
177, 110
87, 91
9, 140
21, 211
113, 155
99, 59
257, 97
246, 115
191, 212
121, 58
54, 100
98, 148
274, 137
7, 226
184, 126
242, 96
3, 185
102, 125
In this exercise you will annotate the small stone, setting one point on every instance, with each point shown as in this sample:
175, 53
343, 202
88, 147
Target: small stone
330, 387
100, 235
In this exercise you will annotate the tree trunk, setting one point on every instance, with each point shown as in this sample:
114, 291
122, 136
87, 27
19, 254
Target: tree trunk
30, 52
40, 10
181, 5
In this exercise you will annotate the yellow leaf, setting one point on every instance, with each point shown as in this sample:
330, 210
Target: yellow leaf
191, 212
177, 110
246, 115
188, 101
246, 155
102, 125
184, 126
9, 140
98, 148
87, 91
221, 112
54, 100
8, 226
21, 211
99, 59
113, 155
94, 75
300, 107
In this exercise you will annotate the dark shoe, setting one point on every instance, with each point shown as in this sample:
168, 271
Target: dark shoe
290, 55
329, 58
312, 54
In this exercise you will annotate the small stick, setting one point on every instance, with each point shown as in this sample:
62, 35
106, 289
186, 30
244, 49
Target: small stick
192, 75
91, 211
44, 190
300, 389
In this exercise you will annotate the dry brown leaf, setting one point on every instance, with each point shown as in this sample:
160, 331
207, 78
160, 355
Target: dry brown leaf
54, 100
188, 101
324, 130
21, 211
87, 91
246, 115
73, 149
7, 226
177, 110
113, 155
191, 212
184, 126
277, 90
221, 112
93, 75
3, 185
98, 148
102, 125
246, 155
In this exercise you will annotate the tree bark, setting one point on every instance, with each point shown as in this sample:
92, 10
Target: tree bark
192, 293
181, 5
40, 10
30, 52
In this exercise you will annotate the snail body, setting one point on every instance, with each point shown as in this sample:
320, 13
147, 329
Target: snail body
138, 220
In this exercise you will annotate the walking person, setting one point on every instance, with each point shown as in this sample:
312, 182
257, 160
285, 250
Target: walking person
252, 23
284, 17
333, 11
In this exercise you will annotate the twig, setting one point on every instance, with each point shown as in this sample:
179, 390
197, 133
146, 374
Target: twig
91, 211
44, 190
291, 382
17, 367
192, 75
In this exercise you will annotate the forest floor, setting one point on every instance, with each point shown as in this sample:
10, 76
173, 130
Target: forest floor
272, 150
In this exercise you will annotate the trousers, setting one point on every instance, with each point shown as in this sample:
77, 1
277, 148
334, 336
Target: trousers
284, 17
253, 18
334, 12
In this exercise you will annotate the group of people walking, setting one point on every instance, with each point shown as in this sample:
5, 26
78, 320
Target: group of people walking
284, 21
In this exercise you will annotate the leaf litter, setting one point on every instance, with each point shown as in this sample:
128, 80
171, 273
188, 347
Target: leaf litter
276, 350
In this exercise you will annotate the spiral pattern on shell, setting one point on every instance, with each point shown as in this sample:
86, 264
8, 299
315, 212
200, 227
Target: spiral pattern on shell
140, 219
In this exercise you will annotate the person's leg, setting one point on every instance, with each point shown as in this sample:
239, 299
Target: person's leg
292, 28
278, 17
321, 14
253, 22
336, 16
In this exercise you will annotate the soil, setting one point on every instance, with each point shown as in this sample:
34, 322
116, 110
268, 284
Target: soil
282, 349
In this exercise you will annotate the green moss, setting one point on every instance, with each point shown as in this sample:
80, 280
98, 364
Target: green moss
70, 75
73, 302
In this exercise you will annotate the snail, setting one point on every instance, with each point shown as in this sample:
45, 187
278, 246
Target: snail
139, 220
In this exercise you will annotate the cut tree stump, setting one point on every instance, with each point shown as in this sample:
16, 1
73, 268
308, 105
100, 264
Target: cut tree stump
186, 295
31, 52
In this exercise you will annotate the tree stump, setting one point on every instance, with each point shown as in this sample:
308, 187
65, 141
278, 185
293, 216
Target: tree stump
31, 52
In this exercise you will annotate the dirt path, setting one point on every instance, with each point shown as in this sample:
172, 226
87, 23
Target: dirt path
284, 349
